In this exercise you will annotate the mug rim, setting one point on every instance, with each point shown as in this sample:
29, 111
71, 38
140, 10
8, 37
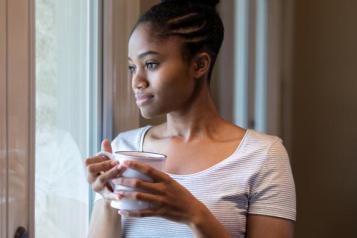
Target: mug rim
156, 156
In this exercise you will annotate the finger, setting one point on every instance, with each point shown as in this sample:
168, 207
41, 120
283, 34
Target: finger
102, 180
150, 187
93, 170
105, 154
155, 174
96, 159
138, 213
109, 195
104, 166
158, 201
106, 146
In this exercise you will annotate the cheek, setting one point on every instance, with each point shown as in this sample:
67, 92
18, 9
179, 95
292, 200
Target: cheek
170, 96
175, 97
175, 75
174, 84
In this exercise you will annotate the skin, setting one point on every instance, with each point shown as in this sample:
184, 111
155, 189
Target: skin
194, 138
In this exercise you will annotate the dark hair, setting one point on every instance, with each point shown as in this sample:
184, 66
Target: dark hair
196, 22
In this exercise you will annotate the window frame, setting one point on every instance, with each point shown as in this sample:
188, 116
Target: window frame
3, 116
18, 115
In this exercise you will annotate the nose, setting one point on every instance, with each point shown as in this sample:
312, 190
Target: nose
139, 81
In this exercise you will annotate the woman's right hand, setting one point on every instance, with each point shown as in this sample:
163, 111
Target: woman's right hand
101, 170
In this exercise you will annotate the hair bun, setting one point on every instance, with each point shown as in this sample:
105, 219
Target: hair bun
210, 3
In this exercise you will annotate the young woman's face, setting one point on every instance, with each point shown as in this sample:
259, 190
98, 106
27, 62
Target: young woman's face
161, 80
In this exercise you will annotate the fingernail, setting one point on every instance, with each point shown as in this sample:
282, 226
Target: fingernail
114, 162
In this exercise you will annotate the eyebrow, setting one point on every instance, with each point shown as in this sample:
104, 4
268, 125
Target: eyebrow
142, 55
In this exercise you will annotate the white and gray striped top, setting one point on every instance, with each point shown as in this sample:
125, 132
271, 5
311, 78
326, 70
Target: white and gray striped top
255, 179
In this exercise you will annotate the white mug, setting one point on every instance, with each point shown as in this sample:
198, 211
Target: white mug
155, 160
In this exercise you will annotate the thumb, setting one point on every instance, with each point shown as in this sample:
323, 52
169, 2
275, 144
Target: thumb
106, 146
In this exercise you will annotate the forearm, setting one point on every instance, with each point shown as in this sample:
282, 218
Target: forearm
105, 221
206, 225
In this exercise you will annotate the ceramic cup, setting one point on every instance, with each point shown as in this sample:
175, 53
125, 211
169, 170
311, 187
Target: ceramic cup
155, 160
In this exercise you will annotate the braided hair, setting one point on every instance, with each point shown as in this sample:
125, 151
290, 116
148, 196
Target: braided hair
196, 22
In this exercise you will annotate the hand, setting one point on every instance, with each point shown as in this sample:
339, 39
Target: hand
167, 197
101, 170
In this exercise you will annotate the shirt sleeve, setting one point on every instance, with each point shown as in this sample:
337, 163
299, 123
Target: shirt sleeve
273, 189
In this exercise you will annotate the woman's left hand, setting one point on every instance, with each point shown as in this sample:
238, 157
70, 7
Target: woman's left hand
167, 197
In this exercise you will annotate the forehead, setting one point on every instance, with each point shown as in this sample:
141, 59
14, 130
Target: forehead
143, 39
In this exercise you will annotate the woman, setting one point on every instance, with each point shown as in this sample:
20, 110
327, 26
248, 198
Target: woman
220, 180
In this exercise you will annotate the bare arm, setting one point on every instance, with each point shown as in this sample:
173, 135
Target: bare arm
269, 227
105, 221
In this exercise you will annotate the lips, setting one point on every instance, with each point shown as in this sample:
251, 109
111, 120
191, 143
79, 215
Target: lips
142, 99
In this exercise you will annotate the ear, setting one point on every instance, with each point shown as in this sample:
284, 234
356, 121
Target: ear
201, 64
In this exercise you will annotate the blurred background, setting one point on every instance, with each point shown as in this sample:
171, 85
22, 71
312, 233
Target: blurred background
318, 113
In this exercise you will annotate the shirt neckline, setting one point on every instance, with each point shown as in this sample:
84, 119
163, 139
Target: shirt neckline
204, 171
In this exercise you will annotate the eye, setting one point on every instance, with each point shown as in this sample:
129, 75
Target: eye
131, 69
152, 65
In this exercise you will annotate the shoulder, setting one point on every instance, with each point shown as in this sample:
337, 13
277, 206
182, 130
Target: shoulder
262, 139
271, 160
263, 150
254, 140
129, 140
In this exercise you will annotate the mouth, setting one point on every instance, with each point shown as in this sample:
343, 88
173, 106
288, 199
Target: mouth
143, 99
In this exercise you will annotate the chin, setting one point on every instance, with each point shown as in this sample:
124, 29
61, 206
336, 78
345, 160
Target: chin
149, 114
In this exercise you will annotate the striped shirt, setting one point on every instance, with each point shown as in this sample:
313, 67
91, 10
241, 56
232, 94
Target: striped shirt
255, 179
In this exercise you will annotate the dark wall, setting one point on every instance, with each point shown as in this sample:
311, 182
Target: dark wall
324, 127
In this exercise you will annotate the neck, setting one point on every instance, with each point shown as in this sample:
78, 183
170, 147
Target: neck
199, 118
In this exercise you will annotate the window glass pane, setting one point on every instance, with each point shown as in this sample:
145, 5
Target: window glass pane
66, 112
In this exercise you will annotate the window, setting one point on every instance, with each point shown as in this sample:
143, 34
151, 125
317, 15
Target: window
67, 114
